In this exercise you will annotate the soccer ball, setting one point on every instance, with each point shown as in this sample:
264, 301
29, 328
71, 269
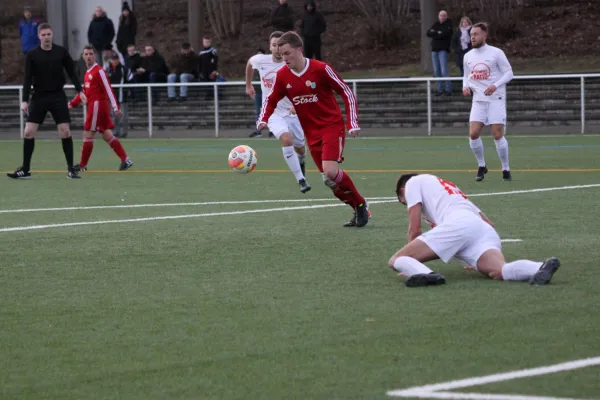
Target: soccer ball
242, 159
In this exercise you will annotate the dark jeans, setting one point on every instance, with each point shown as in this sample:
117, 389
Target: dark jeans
312, 47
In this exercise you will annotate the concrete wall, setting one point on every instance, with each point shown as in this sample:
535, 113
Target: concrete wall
70, 20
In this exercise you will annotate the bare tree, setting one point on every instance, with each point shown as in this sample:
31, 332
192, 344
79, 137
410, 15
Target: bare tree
225, 17
428, 17
196, 23
384, 18
501, 16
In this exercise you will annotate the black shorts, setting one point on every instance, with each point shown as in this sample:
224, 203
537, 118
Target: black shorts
54, 103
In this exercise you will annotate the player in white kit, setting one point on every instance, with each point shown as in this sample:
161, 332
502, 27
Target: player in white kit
459, 230
283, 123
487, 71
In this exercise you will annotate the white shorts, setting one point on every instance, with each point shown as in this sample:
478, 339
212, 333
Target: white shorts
465, 237
280, 125
489, 112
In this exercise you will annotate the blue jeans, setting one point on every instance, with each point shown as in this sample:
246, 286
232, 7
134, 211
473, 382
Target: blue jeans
440, 68
183, 78
258, 102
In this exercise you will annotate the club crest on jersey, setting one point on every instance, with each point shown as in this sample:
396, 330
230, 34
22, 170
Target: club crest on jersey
311, 84
90, 76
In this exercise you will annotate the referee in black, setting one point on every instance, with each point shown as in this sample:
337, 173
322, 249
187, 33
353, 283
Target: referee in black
44, 68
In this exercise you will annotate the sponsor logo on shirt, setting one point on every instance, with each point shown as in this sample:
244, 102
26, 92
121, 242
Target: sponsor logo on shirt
309, 98
480, 72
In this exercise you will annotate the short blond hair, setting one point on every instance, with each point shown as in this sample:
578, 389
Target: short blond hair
291, 38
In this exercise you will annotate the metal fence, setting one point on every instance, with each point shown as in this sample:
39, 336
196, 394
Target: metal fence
422, 88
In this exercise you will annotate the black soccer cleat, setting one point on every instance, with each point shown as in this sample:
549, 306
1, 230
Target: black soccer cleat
506, 176
545, 273
20, 173
481, 171
430, 279
304, 186
125, 165
256, 134
352, 222
72, 174
79, 168
303, 167
362, 215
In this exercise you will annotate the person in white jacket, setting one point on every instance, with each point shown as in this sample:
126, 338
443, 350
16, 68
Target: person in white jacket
487, 71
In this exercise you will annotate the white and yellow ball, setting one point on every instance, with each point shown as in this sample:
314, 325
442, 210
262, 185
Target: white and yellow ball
242, 159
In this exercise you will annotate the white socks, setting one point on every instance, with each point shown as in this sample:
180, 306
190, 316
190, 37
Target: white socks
409, 266
520, 270
291, 158
477, 147
502, 150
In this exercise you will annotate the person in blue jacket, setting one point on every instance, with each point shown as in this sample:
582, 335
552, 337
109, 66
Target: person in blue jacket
28, 32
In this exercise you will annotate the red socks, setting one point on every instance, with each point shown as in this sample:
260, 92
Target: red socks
346, 191
118, 148
86, 151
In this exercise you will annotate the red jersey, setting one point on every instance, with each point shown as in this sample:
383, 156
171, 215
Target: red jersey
311, 93
96, 88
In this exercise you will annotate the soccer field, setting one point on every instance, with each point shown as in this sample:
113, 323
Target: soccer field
180, 279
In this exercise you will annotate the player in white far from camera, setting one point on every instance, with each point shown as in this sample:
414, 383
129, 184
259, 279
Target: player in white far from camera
487, 71
459, 230
283, 123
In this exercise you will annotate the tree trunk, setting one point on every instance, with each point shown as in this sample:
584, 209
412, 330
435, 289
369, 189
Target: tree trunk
428, 17
195, 23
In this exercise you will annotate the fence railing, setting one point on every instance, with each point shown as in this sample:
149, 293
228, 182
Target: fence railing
355, 83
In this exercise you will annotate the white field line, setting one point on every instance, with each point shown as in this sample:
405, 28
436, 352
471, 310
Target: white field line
511, 240
203, 203
207, 203
436, 391
486, 396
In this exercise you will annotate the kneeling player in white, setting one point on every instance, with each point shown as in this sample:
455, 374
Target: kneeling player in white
459, 230
283, 123
487, 71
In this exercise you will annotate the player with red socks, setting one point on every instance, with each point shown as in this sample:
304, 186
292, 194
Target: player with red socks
309, 84
100, 97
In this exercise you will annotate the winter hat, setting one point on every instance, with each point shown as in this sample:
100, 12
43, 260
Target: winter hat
126, 6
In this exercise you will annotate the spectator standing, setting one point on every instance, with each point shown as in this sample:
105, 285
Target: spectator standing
127, 29
184, 68
312, 27
441, 37
283, 17
118, 74
28, 31
209, 64
462, 42
101, 31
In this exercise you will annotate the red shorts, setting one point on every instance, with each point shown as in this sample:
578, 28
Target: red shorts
329, 148
98, 117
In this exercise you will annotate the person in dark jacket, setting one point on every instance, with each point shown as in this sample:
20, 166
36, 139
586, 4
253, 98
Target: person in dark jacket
118, 74
28, 32
184, 68
283, 17
441, 38
127, 29
101, 31
153, 69
209, 63
461, 42
312, 26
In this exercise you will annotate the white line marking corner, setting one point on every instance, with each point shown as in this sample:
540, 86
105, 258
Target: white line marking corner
439, 390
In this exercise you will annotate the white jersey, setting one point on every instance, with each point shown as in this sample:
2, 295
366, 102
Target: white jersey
267, 68
486, 66
440, 199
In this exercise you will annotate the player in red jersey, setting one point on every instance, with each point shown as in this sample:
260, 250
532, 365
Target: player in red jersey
309, 84
100, 97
